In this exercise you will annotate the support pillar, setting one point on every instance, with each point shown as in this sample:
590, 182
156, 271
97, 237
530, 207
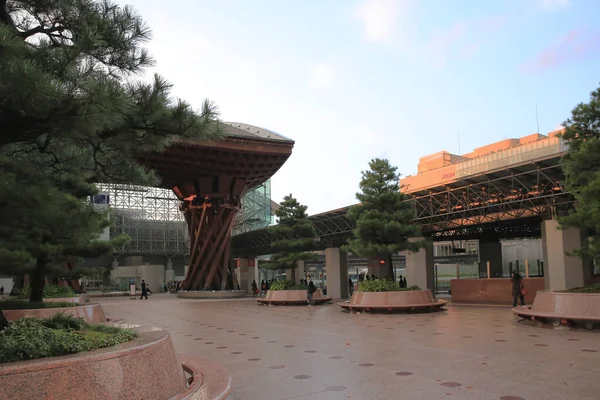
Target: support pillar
379, 269
490, 250
256, 273
336, 264
246, 267
562, 271
419, 267
169, 272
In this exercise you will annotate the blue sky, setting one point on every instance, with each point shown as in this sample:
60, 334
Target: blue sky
350, 80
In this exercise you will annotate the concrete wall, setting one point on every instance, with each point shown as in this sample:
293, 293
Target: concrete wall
154, 275
492, 291
152, 259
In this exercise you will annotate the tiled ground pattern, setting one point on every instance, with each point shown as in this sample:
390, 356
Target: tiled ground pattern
304, 353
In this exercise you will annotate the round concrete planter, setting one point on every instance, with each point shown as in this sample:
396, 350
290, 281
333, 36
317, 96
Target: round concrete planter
217, 294
292, 297
417, 300
91, 313
562, 308
145, 368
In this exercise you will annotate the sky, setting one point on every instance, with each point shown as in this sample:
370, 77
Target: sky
351, 80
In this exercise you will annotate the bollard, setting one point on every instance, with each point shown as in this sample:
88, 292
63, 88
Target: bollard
488, 270
527, 269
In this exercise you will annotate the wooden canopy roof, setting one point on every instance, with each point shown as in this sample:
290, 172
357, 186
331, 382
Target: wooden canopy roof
244, 158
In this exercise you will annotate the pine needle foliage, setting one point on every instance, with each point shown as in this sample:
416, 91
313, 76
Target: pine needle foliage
383, 218
298, 235
581, 166
74, 111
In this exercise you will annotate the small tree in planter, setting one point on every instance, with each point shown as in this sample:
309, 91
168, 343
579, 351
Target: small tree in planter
383, 219
297, 235
581, 166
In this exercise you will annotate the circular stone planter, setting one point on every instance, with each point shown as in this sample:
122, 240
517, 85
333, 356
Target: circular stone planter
562, 308
91, 313
292, 297
417, 300
217, 294
144, 368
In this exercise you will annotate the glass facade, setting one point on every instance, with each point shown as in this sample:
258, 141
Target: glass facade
151, 217
256, 210
522, 254
445, 249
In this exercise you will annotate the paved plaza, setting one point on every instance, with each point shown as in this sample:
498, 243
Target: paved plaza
323, 353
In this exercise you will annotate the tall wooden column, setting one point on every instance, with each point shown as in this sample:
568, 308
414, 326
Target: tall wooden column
210, 226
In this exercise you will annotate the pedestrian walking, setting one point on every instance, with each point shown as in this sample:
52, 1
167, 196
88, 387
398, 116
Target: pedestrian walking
310, 290
518, 288
144, 290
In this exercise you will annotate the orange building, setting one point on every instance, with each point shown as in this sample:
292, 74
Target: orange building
443, 167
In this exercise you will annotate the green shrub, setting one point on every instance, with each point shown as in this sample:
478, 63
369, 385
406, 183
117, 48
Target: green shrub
286, 285
26, 305
30, 338
50, 291
281, 285
380, 285
593, 288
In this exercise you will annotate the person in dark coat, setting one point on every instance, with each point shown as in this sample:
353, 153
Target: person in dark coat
144, 290
310, 290
517, 288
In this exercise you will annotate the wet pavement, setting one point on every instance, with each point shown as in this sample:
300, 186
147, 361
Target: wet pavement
320, 352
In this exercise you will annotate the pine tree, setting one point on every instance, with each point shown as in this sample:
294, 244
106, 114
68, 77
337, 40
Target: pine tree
383, 218
582, 172
49, 224
72, 113
298, 235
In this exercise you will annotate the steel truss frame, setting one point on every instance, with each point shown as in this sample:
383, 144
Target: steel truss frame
150, 216
484, 205
490, 198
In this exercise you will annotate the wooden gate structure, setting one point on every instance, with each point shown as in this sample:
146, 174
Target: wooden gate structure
211, 179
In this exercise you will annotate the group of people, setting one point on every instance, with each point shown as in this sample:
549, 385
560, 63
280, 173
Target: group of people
264, 286
172, 286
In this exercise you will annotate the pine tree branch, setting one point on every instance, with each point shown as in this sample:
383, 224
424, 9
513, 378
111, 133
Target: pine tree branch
41, 29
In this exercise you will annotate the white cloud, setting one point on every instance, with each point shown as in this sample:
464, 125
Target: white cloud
321, 76
553, 5
379, 18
